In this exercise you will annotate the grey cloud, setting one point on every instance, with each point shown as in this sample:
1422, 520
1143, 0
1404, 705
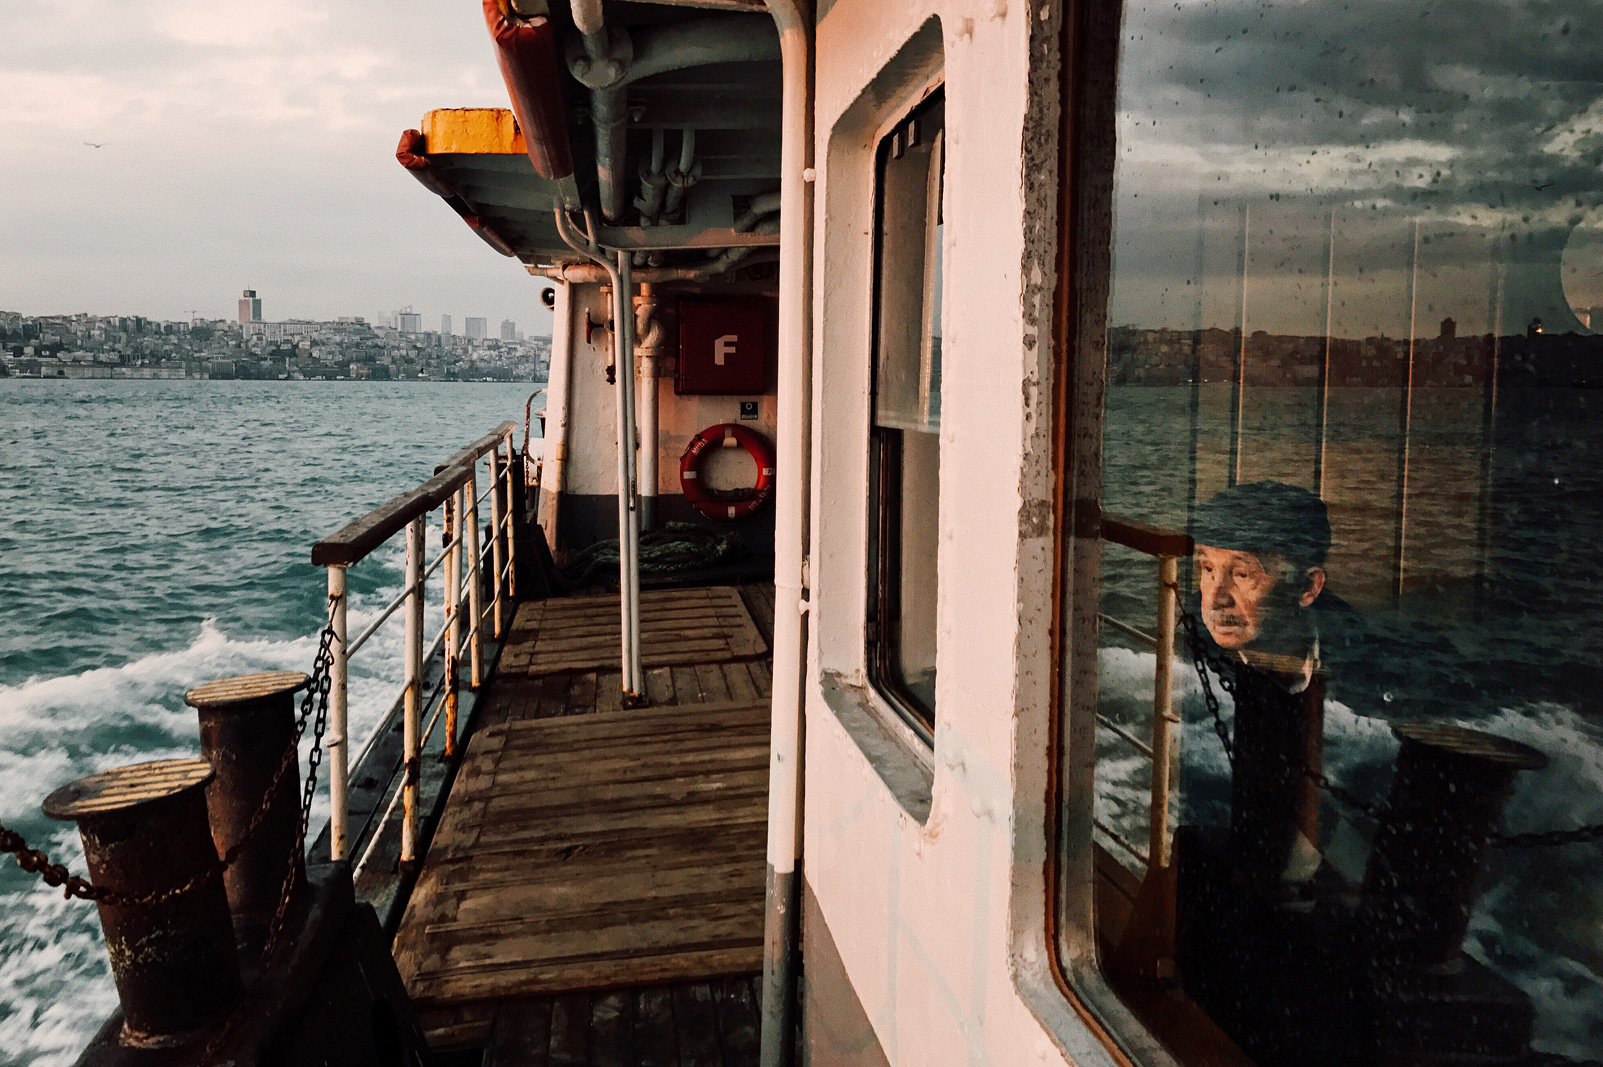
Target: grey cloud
249, 146
1471, 116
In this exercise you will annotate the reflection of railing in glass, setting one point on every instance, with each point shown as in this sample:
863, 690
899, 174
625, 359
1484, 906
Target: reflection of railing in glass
1148, 946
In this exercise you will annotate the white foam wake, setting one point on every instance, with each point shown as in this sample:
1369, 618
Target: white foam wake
55, 985
1540, 923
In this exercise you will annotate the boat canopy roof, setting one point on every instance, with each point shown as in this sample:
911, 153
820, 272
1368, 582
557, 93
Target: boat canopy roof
659, 124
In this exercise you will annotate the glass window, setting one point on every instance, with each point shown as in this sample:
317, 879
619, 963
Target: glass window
905, 441
1354, 353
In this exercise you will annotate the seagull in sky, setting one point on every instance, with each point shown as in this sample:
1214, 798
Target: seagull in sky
93, 144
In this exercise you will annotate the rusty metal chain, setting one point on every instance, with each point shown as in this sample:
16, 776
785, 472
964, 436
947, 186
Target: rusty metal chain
1229, 681
38, 862
1200, 659
314, 707
1545, 838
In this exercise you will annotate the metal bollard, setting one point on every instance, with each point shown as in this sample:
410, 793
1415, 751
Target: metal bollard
247, 724
144, 830
1446, 801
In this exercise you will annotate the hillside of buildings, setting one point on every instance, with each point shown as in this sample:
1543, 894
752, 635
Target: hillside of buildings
131, 346
1138, 356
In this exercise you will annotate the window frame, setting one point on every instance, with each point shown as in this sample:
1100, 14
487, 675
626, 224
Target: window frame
1089, 48
881, 629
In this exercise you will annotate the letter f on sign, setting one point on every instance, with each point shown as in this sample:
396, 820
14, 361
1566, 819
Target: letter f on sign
724, 347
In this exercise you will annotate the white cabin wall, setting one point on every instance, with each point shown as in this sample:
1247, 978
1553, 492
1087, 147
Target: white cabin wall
593, 415
591, 478
926, 938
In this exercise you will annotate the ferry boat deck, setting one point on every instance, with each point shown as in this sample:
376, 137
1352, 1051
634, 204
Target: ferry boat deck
594, 890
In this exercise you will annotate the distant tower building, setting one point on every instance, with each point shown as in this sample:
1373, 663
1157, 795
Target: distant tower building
509, 330
1449, 329
477, 328
408, 321
250, 307
445, 325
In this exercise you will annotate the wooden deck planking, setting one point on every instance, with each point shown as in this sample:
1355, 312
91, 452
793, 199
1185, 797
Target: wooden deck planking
714, 1022
589, 851
677, 627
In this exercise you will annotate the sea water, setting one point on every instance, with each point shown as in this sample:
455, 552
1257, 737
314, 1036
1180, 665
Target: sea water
1495, 623
157, 535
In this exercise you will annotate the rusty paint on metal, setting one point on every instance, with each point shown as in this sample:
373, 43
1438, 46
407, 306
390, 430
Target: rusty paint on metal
145, 829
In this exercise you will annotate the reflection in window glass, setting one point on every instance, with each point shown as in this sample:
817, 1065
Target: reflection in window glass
905, 441
1355, 348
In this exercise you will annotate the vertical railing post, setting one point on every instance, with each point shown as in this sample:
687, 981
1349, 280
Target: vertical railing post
497, 554
1165, 744
470, 510
339, 756
451, 595
628, 479
514, 462
414, 688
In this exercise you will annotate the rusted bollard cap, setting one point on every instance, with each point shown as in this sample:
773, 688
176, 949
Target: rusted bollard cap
1472, 744
122, 788
246, 689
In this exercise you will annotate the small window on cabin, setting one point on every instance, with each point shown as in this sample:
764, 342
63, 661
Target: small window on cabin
905, 444
1348, 757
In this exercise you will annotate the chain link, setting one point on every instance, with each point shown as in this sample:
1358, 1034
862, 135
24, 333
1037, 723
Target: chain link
36, 861
1207, 665
314, 706
1541, 838
1230, 680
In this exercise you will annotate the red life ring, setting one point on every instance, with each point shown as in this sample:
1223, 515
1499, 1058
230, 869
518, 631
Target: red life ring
726, 505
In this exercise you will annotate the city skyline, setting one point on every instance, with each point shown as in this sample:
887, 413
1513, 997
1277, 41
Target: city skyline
251, 145
84, 346
259, 304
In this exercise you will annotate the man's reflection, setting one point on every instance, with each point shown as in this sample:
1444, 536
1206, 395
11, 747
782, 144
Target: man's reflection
1260, 559
1260, 555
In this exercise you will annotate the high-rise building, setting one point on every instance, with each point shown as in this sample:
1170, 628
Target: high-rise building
445, 325
509, 330
410, 322
477, 328
250, 307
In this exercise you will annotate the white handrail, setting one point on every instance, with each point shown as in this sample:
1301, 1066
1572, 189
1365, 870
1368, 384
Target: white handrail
338, 719
378, 728
461, 534
412, 711
398, 601
383, 617
400, 787
498, 538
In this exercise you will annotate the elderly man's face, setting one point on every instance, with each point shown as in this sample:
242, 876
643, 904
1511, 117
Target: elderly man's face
1242, 594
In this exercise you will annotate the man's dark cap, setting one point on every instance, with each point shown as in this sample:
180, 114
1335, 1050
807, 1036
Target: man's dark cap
1266, 518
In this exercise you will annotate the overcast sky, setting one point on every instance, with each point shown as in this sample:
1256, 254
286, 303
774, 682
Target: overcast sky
246, 146
1478, 121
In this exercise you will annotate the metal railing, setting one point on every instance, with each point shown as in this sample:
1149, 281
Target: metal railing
1163, 748
1147, 946
453, 490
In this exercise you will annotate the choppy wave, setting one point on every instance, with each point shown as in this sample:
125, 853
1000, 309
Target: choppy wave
55, 987
1540, 922
165, 545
